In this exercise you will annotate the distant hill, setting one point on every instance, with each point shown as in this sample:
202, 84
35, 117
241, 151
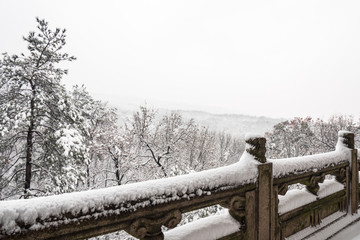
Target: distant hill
236, 124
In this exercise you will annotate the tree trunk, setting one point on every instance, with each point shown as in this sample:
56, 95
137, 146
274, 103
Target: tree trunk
29, 148
88, 175
117, 172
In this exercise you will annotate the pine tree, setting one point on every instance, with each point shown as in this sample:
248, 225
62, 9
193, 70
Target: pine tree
39, 135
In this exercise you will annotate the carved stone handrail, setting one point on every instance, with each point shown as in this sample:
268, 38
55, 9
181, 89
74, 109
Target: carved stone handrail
142, 222
311, 178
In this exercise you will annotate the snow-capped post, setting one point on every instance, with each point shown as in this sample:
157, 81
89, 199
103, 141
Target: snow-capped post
346, 140
265, 215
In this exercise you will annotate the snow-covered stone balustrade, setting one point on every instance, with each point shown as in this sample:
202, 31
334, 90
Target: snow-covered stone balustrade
254, 190
331, 184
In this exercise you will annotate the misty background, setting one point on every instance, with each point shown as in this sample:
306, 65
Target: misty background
277, 59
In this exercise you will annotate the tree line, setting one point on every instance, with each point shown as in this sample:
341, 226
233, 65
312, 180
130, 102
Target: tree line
307, 136
53, 140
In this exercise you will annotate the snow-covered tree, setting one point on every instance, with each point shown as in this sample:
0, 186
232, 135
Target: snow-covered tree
112, 152
229, 148
326, 132
41, 146
204, 155
169, 145
290, 138
148, 140
305, 136
109, 150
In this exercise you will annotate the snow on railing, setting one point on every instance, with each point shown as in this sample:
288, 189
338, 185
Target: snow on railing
312, 163
298, 165
249, 189
16, 213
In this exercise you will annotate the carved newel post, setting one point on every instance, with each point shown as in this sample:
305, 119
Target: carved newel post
256, 147
346, 141
265, 208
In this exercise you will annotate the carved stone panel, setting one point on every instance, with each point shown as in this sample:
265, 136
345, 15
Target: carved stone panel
341, 175
283, 188
146, 228
312, 185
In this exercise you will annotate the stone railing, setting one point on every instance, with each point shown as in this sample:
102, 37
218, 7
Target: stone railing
254, 190
342, 193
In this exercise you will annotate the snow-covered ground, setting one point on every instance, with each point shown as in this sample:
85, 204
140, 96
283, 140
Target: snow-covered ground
209, 228
350, 232
338, 226
299, 197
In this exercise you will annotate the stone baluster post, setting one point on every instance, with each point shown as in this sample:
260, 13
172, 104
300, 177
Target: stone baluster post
265, 201
346, 139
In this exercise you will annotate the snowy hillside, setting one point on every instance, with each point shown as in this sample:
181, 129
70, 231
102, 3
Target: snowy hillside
236, 124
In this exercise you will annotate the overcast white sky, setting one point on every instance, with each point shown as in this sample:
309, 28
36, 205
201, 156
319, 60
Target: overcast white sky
264, 58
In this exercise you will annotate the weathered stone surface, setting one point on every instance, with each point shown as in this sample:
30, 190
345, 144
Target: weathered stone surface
257, 148
264, 199
347, 138
283, 188
150, 228
354, 186
312, 185
250, 216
